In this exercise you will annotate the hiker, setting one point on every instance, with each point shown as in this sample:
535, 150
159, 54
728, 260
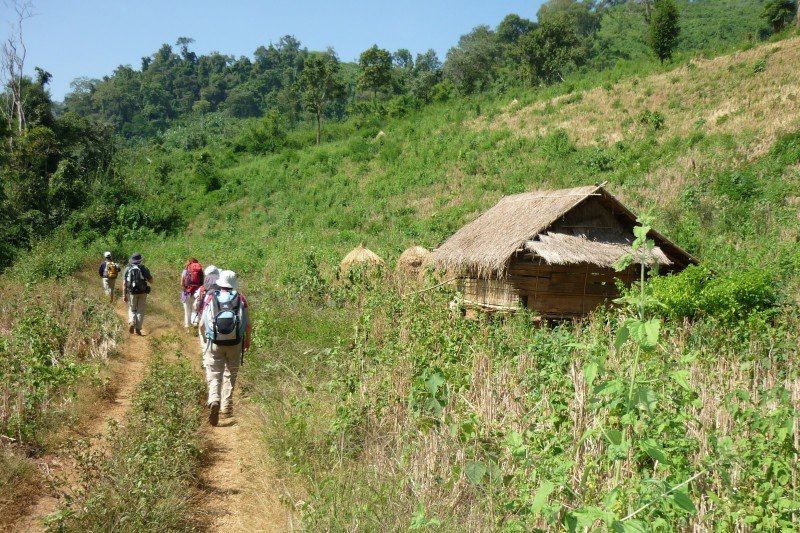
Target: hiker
225, 327
210, 277
135, 290
191, 281
109, 270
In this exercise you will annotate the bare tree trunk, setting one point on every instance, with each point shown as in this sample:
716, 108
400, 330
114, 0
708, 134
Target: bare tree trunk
14, 53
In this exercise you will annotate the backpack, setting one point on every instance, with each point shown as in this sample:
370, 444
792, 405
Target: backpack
226, 319
135, 280
194, 277
112, 270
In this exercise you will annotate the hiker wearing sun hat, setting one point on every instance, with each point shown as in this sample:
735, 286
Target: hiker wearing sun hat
134, 290
210, 277
225, 330
108, 271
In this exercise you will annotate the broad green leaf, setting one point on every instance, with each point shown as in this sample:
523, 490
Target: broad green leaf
681, 377
590, 372
629, 526
652, 329
433, 383
653, 450
514, 439
609, 387
475, 471
622, 336
683, 501
614, 436
540, 498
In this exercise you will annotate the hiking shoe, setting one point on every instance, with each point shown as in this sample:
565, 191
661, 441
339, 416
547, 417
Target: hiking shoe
139, 332
227, 412
213, 415
130, 329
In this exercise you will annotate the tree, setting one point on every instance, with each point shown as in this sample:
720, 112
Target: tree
664, 29
780, 13
376, 70
472, 65
550, 50
14, 53
320, 83
512, 27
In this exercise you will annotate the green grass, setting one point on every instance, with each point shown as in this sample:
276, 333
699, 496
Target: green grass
144, 481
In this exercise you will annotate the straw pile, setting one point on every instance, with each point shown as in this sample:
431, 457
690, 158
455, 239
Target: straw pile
360, 256
413, 260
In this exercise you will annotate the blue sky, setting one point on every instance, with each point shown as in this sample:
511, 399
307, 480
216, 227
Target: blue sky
72, 38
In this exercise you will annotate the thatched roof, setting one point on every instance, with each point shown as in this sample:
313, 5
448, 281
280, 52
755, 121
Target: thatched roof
484, 246
563, 249
360, 255
413, 258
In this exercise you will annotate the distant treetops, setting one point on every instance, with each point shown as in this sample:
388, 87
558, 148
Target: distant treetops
299, 84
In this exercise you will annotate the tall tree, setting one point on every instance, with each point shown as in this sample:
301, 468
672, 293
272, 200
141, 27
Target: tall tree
320, 83
664, 29
780, 13
14, 53
376, 70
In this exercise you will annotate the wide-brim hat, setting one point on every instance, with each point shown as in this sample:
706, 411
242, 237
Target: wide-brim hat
136, 258
210, 269
227, 279
106, 254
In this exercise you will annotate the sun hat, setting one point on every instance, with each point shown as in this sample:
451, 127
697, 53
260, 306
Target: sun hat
210, 269
107, 255
227, 279
136, 258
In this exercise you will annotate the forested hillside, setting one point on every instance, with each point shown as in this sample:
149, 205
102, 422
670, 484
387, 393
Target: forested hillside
381, 408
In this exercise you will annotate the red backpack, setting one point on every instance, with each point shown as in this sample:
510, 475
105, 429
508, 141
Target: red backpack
194, 277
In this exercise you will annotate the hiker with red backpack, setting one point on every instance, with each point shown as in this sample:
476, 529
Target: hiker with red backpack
191, 280
225, 329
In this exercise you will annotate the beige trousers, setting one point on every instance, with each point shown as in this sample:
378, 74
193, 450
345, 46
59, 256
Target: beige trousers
108, 286
136, 307
222, 366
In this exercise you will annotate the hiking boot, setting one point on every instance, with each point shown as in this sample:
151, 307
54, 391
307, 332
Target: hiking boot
130, 329
227, 411
139, 332
213, 415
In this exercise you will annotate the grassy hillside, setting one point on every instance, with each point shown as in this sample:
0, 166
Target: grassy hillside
392, 412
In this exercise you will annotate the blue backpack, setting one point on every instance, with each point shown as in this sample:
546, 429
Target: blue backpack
226, 318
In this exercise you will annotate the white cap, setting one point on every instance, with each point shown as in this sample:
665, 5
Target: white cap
107, 254
210, 269
227, 279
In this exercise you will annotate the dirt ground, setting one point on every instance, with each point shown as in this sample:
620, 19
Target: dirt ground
238, 489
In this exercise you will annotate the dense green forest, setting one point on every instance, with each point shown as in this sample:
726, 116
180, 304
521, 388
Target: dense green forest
385, 409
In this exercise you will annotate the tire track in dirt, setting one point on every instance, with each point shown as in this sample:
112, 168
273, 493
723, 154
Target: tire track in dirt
60, 470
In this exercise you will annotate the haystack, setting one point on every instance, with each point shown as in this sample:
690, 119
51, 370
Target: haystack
360, 256
413, 260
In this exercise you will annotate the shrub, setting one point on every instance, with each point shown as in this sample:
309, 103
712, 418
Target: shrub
265, 136
654, 119
729, 297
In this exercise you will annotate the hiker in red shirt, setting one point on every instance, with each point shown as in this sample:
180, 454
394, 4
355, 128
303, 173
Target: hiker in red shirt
191, 280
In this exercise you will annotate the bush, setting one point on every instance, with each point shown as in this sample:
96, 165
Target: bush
265, 136
730, 297
654, 119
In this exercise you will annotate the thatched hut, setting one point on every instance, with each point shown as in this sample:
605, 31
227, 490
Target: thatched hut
360, 256
413, 260
550, 251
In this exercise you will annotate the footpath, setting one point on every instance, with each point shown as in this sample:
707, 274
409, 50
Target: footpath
237, 488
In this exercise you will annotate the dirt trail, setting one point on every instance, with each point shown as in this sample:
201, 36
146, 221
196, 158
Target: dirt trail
60, 470
238, 490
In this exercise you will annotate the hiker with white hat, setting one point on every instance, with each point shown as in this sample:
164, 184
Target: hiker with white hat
210, 277
225, 330
108, 271
135, 290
